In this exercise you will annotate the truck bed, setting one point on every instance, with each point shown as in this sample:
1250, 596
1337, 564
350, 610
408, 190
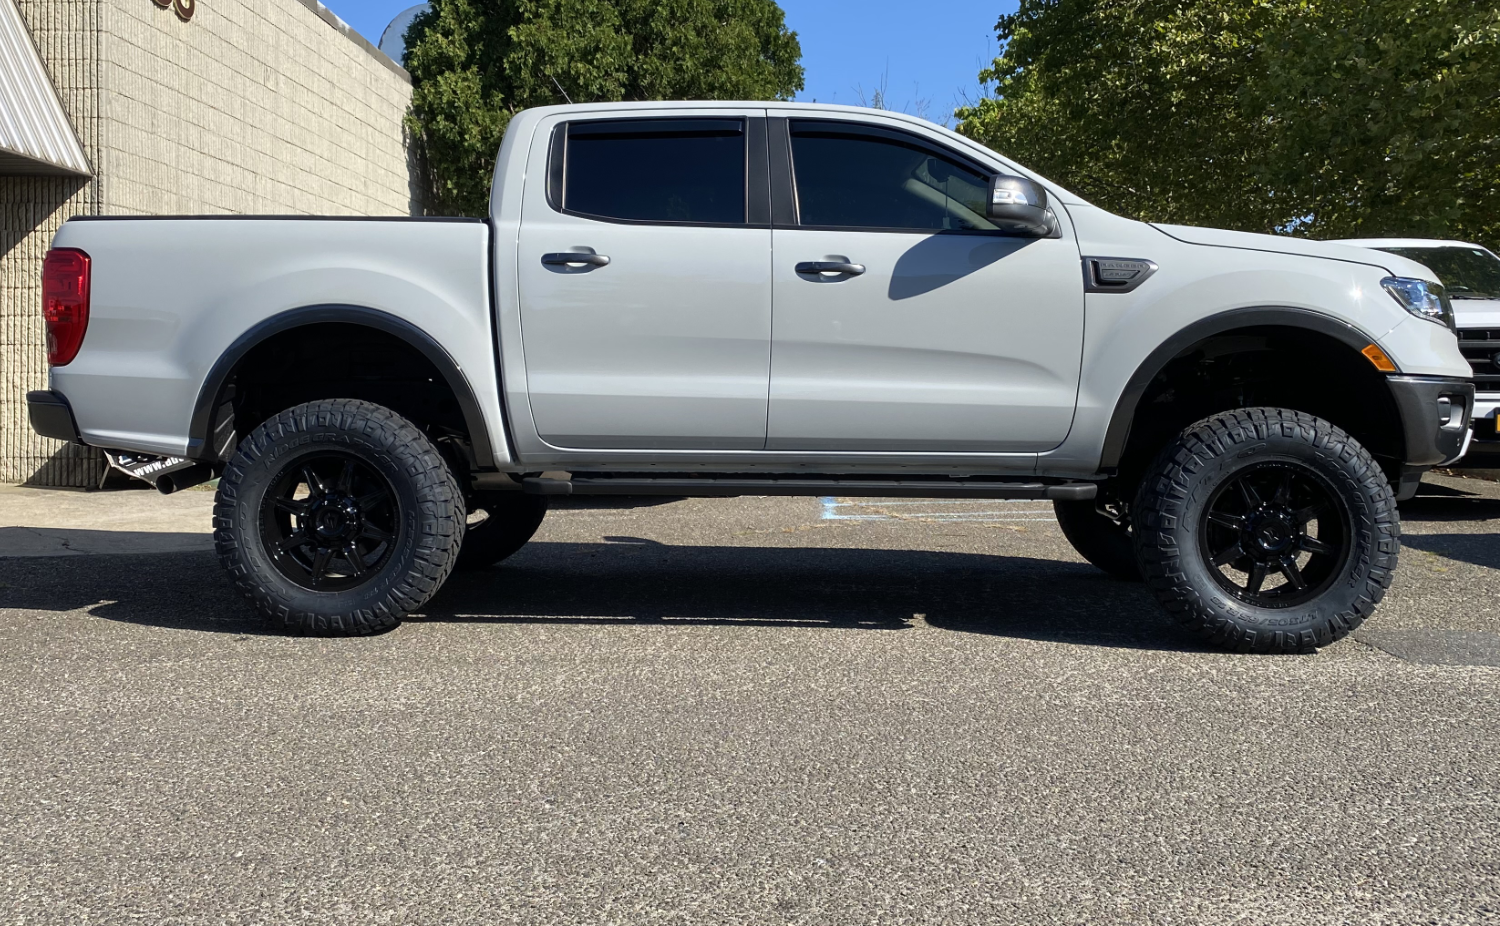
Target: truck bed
172, 296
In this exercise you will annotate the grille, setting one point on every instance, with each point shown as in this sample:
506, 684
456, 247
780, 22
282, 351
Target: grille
1481, 347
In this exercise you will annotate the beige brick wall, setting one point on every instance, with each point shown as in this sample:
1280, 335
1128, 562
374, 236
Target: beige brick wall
31, 209
253, 106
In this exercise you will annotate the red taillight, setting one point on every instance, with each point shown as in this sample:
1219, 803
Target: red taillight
65, 303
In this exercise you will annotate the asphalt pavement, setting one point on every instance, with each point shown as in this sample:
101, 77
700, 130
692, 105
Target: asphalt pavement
752, 711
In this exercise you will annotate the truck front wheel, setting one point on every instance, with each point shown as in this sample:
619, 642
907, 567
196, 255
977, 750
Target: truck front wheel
337, 518
510, 519
1267, 530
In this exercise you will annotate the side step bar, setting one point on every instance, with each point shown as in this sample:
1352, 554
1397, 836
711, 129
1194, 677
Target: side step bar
711, 487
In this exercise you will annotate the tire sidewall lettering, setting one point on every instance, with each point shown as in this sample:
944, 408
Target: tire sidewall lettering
1181, 483
387, 443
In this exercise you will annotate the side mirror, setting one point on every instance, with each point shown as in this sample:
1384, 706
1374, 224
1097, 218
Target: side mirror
1019, 206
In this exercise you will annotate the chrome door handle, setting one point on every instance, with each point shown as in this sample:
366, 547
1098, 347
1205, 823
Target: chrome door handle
569, 258
831, 266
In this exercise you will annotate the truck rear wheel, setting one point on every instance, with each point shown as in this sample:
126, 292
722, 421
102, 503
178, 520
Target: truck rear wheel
1098, 539
510, 520
337, 518
1267, 530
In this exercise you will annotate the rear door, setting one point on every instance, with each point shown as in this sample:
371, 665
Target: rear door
930, 331
645, 284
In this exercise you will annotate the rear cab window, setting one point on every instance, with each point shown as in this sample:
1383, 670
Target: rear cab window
687, 171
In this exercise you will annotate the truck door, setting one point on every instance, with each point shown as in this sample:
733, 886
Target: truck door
645, 283
903, 320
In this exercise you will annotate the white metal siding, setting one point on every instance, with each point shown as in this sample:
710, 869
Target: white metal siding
35, 134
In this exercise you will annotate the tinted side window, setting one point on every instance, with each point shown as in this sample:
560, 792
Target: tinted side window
661, 170
849, 178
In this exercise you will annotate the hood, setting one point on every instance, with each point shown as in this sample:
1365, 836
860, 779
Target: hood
1300, 247
1477, 313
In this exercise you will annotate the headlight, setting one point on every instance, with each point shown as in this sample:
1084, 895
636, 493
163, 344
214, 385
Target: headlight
1421, 298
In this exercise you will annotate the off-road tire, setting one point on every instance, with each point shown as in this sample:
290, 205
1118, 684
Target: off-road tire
429, 505
1098, 539
511, 519
1170, 516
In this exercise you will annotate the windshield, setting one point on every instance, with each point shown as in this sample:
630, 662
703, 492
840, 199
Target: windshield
1467, 273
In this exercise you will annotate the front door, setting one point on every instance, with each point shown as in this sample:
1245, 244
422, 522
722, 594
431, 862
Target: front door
645, 285
903, 320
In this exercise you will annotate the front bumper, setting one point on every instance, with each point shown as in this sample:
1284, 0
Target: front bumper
1435, 416
52, 416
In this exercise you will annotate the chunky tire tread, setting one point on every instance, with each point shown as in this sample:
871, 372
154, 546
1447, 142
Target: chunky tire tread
1164, 503
1099, 540
434, 524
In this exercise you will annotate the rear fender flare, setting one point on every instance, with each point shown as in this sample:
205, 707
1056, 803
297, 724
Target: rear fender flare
210, 396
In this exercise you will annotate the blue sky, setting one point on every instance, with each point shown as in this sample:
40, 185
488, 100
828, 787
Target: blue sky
927, 54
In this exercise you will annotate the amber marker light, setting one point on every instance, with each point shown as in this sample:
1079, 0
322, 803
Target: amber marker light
1377, 356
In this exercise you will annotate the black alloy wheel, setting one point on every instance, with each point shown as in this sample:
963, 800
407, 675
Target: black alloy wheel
1276, 535
330, 522
1266, 530
338, 517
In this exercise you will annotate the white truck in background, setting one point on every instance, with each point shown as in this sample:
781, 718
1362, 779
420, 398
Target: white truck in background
720, 299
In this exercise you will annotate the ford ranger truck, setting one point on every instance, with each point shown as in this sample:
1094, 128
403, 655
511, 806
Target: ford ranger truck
725, 299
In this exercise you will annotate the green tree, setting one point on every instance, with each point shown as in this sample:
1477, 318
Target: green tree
1387, 116
1328, 117
475, 63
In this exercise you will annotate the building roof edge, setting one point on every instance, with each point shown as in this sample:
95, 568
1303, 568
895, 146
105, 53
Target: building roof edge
33, 123
333, 20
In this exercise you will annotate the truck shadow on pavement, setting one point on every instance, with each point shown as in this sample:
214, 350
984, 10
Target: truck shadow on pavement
1450, 506
640, 582
65, 541
634, 583
628, 581
1442, 504
1476, 549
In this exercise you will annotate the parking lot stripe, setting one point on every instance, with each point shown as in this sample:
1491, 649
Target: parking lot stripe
961, 510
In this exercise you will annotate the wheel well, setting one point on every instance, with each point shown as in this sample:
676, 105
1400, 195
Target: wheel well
1275, 366
341, 360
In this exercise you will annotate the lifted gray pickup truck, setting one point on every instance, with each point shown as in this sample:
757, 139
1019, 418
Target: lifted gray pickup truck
720, 299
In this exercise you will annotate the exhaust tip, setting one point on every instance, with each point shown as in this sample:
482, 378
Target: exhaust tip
184, 479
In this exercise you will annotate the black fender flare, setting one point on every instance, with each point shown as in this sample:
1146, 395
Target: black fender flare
211, 394
1118, 433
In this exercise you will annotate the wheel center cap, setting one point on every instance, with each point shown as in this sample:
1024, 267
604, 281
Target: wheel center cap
333, 519
1273, 535
330, 521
